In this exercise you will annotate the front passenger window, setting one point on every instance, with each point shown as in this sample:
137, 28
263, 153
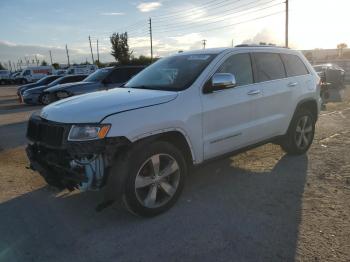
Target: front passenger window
240, 66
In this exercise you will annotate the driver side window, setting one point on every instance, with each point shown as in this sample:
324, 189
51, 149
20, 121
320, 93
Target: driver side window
240, 66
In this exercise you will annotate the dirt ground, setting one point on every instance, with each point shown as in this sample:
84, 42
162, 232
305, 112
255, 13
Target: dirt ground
260, 205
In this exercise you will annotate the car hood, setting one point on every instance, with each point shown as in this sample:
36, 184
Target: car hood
67, 86
93, 107
27, 86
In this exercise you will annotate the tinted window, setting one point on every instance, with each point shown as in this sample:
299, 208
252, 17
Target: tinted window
240, 66
46, 80
98, 75
294, 65
269, 66
119, 75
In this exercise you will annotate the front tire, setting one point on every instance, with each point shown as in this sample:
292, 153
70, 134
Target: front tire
45, 99
156, 175
300, 133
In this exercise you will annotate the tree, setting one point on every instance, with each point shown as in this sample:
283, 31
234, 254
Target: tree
120, 48
43, 63
56, 65
142, 60
340, 47
1, 67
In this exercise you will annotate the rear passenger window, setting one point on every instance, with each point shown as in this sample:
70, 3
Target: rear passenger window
294, 65
240, 66
269, 66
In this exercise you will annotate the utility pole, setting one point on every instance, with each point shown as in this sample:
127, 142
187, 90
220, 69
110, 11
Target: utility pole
67, 55
10, 66
204, 42
92, 55
287, 23
98, 54
36, 60
232, 43
150, 35
50, 57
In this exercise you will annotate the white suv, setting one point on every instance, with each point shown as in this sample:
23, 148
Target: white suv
138, 142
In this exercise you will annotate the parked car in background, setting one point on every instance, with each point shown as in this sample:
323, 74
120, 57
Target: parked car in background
81, 69
102, 79
36, 95
139, 141
34, 73
5, 77
60, 72
14, 76
332, 81
43, 81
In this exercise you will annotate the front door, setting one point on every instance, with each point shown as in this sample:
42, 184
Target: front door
228, 121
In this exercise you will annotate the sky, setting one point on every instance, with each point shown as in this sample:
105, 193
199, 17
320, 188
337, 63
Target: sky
33, 27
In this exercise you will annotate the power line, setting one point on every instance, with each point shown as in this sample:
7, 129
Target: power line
189, 26
242, 22
195, 9
247, 11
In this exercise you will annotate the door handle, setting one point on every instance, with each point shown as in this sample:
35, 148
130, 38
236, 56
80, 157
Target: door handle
253, 92
291, 84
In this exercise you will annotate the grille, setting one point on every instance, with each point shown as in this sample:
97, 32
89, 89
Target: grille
45, 132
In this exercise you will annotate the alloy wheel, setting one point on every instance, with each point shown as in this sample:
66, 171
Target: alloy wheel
304, 132
157, 180
45, 99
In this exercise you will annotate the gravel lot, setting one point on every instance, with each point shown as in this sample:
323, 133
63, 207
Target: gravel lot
257, 206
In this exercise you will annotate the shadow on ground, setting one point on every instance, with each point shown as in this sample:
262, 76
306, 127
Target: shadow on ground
13, 135
224, 214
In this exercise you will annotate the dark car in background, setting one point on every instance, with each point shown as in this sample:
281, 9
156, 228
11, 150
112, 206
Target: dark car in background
43, 81
105, 78
332, 81
36, 95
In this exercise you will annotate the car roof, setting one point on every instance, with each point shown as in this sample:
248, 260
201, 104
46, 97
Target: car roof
239, 47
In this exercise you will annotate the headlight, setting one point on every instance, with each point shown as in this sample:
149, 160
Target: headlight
88, 132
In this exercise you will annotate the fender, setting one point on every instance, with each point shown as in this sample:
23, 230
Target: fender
162, 131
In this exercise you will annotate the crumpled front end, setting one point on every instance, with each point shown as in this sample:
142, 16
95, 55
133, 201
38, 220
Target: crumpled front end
67, 164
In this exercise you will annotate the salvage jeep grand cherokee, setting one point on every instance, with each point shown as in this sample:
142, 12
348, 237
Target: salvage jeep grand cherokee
138, 142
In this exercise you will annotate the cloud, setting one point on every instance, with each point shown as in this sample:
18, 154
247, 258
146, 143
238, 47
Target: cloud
112, 13
264, 36
149, 6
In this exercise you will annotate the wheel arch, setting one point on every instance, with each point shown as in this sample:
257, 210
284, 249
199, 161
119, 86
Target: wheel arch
309, 104
175, 136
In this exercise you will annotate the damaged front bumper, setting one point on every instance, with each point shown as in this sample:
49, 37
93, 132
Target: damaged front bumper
65, 164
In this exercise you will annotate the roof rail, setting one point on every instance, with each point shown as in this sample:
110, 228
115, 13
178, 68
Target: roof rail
247, 45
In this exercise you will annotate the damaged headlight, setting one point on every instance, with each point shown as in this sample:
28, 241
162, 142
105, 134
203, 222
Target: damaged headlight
88, 132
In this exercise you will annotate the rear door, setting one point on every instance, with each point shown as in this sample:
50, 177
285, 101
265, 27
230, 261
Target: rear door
273, 107
227, 114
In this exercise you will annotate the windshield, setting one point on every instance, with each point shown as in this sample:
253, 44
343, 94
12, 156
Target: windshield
57, 81
173, 73
98, 75
45, 80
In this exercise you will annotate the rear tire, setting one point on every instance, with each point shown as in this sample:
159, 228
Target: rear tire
300, 133
2, 82
155, 178
24, 81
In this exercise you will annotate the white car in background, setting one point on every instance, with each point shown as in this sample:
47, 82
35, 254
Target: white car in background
81, 69
139, 141
5, 77
34, 73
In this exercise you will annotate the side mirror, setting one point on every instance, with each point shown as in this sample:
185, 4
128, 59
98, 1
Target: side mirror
220, 81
